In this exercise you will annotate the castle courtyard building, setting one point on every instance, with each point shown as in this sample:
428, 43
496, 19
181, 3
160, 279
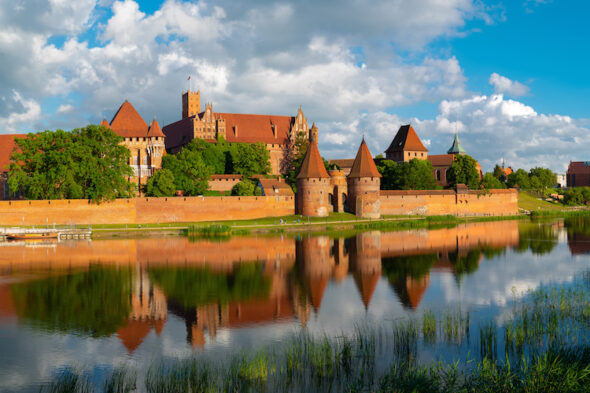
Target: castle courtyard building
277, 133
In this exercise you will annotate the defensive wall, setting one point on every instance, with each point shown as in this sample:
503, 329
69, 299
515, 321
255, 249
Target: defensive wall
144, 210
442, 202
195, 209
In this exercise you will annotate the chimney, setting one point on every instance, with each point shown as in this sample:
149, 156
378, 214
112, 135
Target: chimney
236, 130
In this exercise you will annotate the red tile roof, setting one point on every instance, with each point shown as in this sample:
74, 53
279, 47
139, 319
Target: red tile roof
7, 145
343, 163
312, 165
275, 187
128, 123
256, 128
155, 129
363, 165
179, 133
441, 159
406, 139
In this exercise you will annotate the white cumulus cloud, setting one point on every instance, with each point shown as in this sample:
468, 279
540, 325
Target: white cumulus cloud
504, 85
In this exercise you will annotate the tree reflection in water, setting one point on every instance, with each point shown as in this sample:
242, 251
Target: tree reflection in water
95, 302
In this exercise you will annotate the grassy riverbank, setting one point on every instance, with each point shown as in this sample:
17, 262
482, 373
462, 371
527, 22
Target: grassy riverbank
543, 345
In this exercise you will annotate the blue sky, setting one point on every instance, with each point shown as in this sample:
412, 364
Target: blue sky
509, 76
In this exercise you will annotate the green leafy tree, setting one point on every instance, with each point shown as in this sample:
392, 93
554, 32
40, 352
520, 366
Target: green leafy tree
577, 196
413, 175
519, 178
249, 159
87, 163
246, 188
390, 175
545, 178
191, 174
214, 154
161, 184
491, 182
463, 171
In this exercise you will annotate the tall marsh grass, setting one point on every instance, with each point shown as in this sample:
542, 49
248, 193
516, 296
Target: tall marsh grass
544, 346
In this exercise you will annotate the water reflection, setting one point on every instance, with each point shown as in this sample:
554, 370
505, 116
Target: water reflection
127, 287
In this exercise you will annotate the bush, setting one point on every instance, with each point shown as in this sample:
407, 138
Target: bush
246, 188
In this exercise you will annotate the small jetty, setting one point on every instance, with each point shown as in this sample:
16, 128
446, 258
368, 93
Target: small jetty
43, 234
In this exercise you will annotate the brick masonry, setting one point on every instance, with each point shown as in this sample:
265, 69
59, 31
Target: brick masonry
143, 210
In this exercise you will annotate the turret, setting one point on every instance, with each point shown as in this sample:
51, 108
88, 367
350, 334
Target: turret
191, 103
456, 148
313, 134
364, 182
313, 185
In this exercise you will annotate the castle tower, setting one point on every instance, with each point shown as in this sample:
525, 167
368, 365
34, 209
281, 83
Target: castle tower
313, 133
338, 190
191, 103
313, 185
366, 264
364, 182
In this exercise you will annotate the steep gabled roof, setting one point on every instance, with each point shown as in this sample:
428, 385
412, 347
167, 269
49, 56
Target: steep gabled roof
312, 165
406, 139
456, 147
128, 123
105, 123
155, 129
363, 165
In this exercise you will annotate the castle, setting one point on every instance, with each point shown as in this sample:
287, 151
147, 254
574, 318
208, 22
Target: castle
277, 133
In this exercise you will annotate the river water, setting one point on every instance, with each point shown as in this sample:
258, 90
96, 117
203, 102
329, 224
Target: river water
99, 304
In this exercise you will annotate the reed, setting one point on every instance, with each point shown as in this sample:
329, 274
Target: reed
547, 349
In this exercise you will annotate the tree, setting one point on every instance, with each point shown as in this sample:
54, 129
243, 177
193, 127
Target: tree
390, 178
499, 173
212, 153
88, 163
246, 188
161, 184
191, 174
463, 171
489, 181
413, 175
249, 159
519, 178
545, 178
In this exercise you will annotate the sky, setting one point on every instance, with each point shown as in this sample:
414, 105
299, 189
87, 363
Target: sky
511, 76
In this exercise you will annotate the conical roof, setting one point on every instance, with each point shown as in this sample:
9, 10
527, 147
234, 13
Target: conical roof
363, 165
406, 139
155, 129
312, 165
105, 123
456, 148
366, 284
128, 123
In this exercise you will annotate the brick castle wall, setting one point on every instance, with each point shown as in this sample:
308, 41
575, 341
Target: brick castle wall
439, 202
143, 210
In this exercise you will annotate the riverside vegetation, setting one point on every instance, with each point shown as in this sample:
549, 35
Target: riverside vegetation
543, 346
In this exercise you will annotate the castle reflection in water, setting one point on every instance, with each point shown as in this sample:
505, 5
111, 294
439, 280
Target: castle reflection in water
241, 281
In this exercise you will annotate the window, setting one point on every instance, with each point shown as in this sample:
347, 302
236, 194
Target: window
437, 174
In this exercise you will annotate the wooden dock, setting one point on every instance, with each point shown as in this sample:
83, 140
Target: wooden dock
62, 234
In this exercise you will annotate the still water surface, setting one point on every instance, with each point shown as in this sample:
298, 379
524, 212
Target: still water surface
105, 303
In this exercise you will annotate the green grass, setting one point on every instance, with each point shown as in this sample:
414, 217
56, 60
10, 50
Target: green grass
531, 202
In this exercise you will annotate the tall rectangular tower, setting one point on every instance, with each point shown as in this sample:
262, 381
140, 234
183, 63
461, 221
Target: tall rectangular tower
191, 103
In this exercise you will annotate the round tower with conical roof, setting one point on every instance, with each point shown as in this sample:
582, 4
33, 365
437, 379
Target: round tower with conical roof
313, 185
364, 183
